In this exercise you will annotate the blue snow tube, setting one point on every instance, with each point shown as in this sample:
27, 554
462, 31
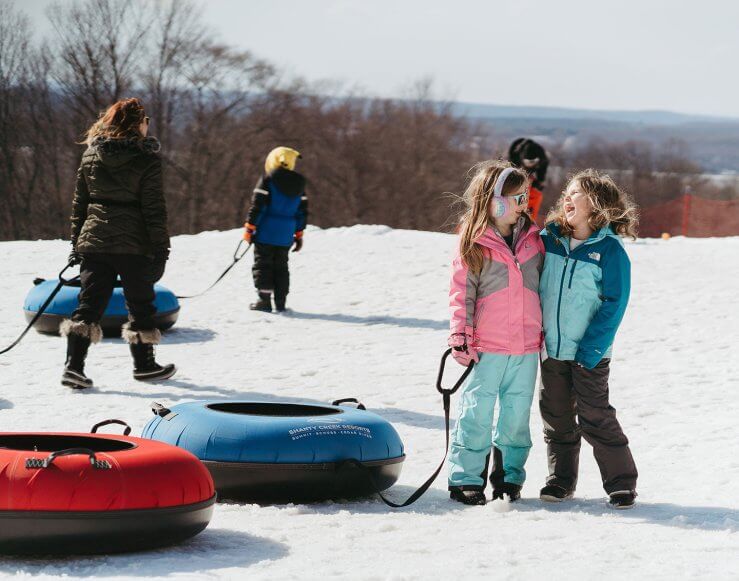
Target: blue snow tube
284, 452
67, 300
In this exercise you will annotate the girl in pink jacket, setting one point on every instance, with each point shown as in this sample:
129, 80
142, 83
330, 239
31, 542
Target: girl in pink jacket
496, 323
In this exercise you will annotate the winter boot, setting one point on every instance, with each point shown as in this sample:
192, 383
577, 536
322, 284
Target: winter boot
513, 491
79, 337
554, 493
142, 344
280, 304
473, 497
264, 303
622, 499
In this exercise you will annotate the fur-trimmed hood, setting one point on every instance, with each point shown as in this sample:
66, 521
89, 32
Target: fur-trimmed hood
115, 152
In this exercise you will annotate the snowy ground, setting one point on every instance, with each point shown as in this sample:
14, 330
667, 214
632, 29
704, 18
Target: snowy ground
370, 320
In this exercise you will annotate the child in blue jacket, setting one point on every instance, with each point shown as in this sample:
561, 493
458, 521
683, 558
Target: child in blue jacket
276, 220
584, 291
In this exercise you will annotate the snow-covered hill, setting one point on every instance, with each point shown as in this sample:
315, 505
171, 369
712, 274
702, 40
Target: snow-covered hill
369, 320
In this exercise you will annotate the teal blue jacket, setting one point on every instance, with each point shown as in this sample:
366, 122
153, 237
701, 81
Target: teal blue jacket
584, 293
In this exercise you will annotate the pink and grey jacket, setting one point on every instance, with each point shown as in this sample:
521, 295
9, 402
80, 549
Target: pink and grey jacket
498, 310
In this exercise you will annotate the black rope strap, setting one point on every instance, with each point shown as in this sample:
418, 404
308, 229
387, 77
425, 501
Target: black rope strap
41, 463
446, 395
236, 258
47, 302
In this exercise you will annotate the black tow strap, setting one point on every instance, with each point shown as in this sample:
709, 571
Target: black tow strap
236, 258
47, 302
446, 395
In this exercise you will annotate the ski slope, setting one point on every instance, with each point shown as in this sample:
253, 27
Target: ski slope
369, 320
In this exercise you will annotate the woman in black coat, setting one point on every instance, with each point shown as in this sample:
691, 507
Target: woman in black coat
119, 228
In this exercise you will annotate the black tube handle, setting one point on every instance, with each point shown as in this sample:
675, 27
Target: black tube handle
159, 409
360, 405
108, 422
440, 377
40, 463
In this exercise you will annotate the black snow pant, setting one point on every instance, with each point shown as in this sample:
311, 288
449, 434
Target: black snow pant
98, 274
270, 269
570, 391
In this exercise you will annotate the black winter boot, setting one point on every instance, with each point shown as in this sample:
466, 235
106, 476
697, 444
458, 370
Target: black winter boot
554, 493
263, 304
622, 499
79, 336
280, 304
74, 368
145, 366
473, 497
141, 342
513, 491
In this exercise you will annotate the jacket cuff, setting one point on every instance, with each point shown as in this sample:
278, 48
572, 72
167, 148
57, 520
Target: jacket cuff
587, 360
298, 234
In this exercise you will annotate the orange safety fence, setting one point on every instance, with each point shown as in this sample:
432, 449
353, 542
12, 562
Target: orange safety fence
690, 215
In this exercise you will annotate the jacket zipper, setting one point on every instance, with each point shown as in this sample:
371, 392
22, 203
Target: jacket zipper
572, 273
559, 305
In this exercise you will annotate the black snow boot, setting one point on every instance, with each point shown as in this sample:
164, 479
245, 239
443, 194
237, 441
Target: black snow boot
554, 493
79, 336
280, 304
264, 303
512, 491
622, 499
145, 366
141, 342
74, 368
473, 497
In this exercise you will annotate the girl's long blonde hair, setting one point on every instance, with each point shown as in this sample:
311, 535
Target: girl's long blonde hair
476, 198
610, 205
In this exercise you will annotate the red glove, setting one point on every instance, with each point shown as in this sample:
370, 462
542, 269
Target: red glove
462, 353
298, 241
249, 231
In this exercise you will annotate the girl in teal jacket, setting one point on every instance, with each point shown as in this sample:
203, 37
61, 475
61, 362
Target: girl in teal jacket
584, 288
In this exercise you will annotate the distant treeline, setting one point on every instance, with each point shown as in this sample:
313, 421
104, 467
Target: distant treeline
218, 110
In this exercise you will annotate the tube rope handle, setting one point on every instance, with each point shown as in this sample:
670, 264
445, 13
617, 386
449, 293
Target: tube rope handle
127, 431
446, 400
40, 463
236, 257
360, 405
62, 281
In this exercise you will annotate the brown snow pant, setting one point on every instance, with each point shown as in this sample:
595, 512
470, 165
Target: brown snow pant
570, 391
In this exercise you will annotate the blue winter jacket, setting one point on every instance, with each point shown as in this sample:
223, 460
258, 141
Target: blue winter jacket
279, 208
584, 293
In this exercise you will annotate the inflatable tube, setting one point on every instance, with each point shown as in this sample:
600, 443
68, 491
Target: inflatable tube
69, 493
64, 304
284, 452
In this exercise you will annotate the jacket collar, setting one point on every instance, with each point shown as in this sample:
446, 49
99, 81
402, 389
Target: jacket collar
491, 238
554, 230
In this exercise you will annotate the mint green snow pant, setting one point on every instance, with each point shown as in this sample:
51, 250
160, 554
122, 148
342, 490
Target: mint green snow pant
510, 378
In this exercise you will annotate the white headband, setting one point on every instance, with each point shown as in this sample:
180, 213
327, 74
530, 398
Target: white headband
498, 189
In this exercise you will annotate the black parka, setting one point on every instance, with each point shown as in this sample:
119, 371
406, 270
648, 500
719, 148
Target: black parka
119, 205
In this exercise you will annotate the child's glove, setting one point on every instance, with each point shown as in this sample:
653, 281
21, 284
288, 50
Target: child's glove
462, 353
249, 231
298, 241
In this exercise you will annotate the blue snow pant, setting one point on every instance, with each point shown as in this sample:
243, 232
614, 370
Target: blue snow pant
511, 379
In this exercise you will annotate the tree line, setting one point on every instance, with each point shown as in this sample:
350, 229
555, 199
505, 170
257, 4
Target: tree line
218, 110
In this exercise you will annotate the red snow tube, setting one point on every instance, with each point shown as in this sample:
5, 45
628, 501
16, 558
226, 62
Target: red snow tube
92, 493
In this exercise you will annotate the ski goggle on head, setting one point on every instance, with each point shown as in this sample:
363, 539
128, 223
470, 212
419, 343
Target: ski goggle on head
502, 205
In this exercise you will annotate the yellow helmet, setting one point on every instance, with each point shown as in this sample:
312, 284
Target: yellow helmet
281, 157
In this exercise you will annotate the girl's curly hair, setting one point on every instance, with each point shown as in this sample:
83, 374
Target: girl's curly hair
609, 205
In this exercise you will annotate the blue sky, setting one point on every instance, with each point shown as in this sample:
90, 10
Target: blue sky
632, 55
